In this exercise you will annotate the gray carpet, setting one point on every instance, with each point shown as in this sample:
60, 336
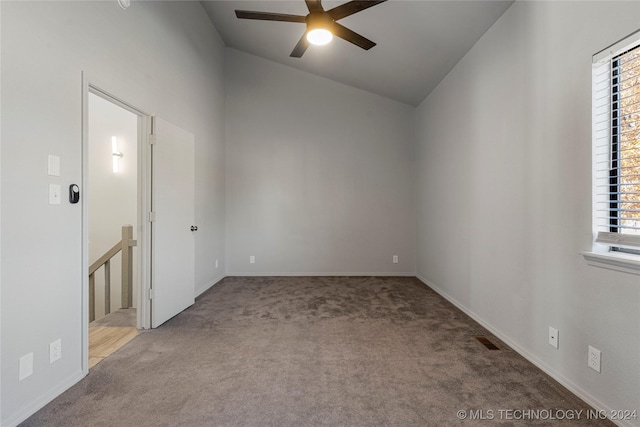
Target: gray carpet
339, 351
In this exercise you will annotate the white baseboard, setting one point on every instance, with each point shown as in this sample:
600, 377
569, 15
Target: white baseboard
570, 385
34, 406
322, 274
209, 286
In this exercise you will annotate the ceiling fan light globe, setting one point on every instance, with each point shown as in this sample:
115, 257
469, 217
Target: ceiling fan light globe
319, 36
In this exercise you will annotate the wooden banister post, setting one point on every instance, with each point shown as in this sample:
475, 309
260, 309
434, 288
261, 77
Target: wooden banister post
92, 298
127, 266
107, 287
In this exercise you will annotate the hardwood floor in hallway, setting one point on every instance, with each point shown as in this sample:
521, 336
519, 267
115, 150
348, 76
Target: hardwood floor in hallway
104, 340
110, 333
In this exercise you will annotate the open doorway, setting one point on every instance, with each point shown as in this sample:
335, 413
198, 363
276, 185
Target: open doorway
158, 200
112, 194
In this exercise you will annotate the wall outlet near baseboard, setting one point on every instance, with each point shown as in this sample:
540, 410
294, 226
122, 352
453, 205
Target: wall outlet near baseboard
55, 350
553, 337
395, 259
26, 366
594, 361
216, 263
252, 259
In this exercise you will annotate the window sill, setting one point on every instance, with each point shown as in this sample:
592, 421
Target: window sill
625, 263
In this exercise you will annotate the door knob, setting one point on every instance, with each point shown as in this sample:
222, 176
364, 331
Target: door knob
194, 228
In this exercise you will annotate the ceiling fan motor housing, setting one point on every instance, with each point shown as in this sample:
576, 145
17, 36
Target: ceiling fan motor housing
319, 19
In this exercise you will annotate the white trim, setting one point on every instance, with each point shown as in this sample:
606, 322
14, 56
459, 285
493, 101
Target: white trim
303, 274
564, 381
39, 403
629, 42
143, 310
143, 279
626, 263
84, 231
207, 287
618, 239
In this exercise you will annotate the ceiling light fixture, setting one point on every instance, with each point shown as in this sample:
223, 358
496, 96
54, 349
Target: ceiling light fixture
319, 36
124, 3
318, 24
115, 154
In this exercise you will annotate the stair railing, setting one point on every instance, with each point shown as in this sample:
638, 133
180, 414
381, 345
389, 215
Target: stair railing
125, 246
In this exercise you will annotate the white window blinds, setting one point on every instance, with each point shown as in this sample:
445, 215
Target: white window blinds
616, 146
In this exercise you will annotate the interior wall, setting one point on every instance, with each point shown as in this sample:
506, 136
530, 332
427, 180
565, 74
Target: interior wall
113, 197
0, 211
164, 58
503, 171
319, 174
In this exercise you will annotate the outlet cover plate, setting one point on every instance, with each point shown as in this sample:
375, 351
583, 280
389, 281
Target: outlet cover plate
55, 350
26, 366
553, 337
594, 361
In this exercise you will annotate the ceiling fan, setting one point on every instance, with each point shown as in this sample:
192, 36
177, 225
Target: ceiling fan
321, 24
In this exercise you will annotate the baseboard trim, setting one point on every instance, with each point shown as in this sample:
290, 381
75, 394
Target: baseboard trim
42, 401
209, 286
320, 274
564, 381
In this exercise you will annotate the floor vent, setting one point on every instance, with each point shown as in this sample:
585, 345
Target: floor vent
485, 341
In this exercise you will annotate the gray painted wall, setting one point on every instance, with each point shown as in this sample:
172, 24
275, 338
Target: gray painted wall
509, 132
163, 57
319, 175
328, 186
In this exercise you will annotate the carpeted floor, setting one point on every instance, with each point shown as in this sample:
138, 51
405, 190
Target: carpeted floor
307, 351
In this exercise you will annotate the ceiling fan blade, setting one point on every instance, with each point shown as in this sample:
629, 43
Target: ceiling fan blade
352, 7
314, 5
301, 47
351, 36
268, 16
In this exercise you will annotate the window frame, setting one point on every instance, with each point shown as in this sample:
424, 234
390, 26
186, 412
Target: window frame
613, 249
614, 171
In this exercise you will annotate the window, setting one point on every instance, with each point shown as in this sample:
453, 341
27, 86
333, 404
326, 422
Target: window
616, 147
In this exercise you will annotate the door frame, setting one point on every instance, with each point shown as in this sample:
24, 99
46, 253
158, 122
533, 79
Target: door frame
143, 249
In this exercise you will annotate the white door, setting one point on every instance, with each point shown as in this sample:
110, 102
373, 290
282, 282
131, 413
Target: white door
172, 200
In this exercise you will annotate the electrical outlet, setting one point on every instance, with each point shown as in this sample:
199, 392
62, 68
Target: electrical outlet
26, 366
395, 259
55, 350
216, 263
553, 337
252, 259
594, 359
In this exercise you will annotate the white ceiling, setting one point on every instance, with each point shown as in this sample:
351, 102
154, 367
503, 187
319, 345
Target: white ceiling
418, 41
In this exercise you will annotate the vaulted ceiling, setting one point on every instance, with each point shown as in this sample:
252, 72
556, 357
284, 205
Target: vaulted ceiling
418, 42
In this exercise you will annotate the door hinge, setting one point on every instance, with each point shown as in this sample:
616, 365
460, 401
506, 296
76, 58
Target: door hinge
152, 216
152, 139
149, 294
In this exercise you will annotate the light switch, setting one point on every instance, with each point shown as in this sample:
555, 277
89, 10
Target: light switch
54, 194
54, 165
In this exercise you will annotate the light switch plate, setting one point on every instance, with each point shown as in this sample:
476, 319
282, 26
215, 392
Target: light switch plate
53, 165
55, 194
